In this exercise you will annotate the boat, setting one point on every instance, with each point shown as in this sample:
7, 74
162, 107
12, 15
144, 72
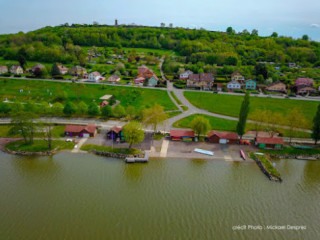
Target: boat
242, 154
198, 150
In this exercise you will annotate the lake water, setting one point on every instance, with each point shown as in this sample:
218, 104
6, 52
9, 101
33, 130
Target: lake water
82, 196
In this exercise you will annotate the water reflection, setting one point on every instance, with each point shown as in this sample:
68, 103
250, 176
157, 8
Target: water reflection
311, 173
133, 172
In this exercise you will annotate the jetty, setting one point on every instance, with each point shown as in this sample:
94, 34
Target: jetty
137, 159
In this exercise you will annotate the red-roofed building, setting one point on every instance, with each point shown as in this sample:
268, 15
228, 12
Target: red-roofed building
81, 130
223, 137
304, 82
306, 90
115, 133
202, 81
104, 103
269, 142
182, 135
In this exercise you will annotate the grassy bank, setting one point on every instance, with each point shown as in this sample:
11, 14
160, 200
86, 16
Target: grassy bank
268, 165
292, 151
57, 131
89, 147
230, 105
38, 145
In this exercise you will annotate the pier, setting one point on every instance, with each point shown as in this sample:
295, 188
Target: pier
137, 159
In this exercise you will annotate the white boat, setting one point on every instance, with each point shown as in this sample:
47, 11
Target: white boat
198, 150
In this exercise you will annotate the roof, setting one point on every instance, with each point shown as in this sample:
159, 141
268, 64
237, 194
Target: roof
105, 97
234, 82
224, 135
307, 89
78, 68
104, 103
181, 133
250, 80
14, 67
187, 72
201, 77
114, 78
304, 81
91, 128
62, 68
3, 67
38, 65
270, 140
236, 72
116, 129
275, 83
97, 74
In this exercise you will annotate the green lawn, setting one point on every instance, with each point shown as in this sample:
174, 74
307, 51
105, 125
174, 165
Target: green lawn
57, 131
40, 91
292, 151
230, 105
230, 125
89, 147
38, 145
173, 114
268, 165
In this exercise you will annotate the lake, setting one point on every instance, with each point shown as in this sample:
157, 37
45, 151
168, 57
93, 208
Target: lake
83, 196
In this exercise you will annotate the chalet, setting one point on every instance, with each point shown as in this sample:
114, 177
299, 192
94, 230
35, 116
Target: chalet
81, 130
37, 67
114, 78
277, 87
3, 69
223, 137
182, 135
237, 76
94, 77
104, 103
152, 82
233, 85
185, 75
16, 69
202, 81
269, 142
306, 90
115, 133
250, 84
304, 82
62, 69
77, 71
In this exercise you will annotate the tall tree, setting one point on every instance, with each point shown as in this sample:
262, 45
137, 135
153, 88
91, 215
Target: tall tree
21, 123
22, 57
294, 119
260, 117
106, 111
133, 133
316, 126
47, 133
200, 125
244, 111
93, 109
55, 71
154, 116
69, 109
119, 111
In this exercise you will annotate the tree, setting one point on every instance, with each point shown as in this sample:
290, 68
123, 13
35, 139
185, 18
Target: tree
254, 32
82, 108
119, 111
305, 37
244, 111
133, 133
230, 30
273, 121
294, 119
5, 108
55, 71
22, 57
69, 109
260, 117
23, 124
112, 100
93, 109
106, 111
261, 69
316, 126
154, 116
200, 125
274, 35
57, 108
131, 112
47, 133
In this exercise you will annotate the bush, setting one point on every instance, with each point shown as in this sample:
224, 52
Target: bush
6, 74
17, 75
58, 77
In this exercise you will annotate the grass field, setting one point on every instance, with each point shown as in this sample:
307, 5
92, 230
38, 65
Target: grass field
57, 131
229, 125
38, 145
230, 105
40, 91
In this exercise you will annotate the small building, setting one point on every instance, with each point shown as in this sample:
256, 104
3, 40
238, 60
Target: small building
237, 76
202, 81
152, 82
303, 82
219, 87
94, 77
116, 133
16, 69
109, 62
306, 90
139, 80
114, 78
269, 142
233, 85
104, 103
81, 130
292, 65
277, 87
77, 71
185, 75
38, 67
63, 69
182, 135
223, 137
251, 84
3, 69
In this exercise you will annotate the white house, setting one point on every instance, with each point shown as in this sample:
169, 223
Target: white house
234, 85
15, 69
185, 75
94, 77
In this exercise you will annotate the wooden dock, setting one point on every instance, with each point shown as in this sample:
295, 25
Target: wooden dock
138, 160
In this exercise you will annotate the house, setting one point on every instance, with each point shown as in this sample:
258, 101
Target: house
139, 80
306, 90
81, 130
269, 142
223, 137
292, 65
104, 103
250, 84
16, 69
38, 67
219, 87
115, 133
202, 81
152, 82
63, 70
3, 69
143, 74
182, 135
277, 87
304, 82
77, 71
185, 75
237, 76
114, 78
233, 85
94, 77
109, 62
